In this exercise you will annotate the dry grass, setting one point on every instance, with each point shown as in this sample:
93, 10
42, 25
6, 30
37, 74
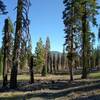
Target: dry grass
48, 77
53, 77
19, 95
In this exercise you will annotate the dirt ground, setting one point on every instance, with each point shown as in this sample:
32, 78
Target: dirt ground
53, 88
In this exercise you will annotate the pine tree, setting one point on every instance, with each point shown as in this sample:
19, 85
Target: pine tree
7, 48
97, 56
77, 18
23, 55
40, 55
2, 8
71, 23
18, 34
88, 14
31, 60
51, 62
54, 63
47, 52
63, 56
22, 29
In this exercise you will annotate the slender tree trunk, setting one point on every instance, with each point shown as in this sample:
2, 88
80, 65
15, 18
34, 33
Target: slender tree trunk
48, 63
71, 73
84, 44
14, 70
71, 70
13, 80
71, 61
18, 34
54, 64
5, 80
58, 63
31, 71
5, 59
71, 56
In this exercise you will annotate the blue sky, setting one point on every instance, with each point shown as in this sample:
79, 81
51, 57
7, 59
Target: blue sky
46, 20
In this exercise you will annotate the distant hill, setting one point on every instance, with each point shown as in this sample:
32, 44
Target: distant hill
56, 52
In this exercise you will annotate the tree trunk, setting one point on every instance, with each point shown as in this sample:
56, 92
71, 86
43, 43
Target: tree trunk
71, 73
71, 58
71, 69
5, 59
84, 44
5, 80
31, 71
51, 63
16, 51
48, 63
13, 80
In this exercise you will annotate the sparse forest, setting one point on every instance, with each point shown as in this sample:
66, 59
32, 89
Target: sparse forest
44, 73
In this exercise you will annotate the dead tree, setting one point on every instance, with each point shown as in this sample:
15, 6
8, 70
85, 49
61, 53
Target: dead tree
21, 32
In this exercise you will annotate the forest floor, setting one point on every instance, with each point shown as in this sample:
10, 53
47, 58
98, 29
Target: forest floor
54, 87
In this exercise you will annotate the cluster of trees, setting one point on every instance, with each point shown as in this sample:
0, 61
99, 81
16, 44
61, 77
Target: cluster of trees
78, 16
78, 49
47, 61
58, 62
95, 58
16, 48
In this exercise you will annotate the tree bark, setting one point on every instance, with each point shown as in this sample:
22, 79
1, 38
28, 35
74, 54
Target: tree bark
16, 51
5, 79
31, 71
71, 73
5, 59
84, 45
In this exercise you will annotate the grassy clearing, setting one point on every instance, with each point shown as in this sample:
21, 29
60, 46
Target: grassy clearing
53, 77
94, 75
26, 77
39, 77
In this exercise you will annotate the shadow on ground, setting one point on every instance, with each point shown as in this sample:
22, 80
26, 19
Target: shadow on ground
94, 97
54, 89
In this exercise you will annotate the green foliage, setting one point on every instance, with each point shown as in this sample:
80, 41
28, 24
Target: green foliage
95, 75
88, 12
78, 15
47, 46
23, 61
8, 37
11, 27
96, 55
72, 26
47, 54
25, 54
44, 71
40, 55
94, 58
2, 8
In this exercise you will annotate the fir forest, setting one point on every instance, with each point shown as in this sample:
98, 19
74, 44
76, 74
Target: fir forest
61, 65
